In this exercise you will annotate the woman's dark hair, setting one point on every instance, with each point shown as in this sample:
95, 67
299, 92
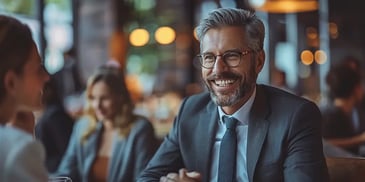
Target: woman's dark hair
15, 47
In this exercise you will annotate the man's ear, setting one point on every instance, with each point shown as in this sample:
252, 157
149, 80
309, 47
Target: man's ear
260, 61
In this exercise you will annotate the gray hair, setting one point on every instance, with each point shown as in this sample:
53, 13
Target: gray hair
222, 17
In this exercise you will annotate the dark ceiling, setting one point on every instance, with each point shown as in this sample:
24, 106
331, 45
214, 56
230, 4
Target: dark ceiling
348, 15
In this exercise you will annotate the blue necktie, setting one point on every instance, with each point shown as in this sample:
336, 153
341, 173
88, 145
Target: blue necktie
227, 153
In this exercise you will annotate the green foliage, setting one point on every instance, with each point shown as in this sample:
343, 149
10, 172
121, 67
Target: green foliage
29, 7
62, 4
25, 7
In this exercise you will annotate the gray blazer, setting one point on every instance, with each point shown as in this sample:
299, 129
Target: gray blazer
129, 155
21, 157
284, 139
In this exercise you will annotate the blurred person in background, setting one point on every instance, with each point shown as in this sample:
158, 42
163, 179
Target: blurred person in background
22, 78
279, 80
346, 92
70, 84
359, 110
68, 78
54, 126
110, 142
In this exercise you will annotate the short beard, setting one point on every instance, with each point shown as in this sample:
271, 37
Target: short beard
230, 99
226, 100
233, 98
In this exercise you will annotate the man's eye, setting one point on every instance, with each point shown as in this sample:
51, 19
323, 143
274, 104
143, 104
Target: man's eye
231, 55
209, 57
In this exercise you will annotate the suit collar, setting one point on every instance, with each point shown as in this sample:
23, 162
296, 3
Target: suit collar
116, 167
92, 141
90, 146
242, 114
257, 129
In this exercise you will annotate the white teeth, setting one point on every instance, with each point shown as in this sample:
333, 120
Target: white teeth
223, 83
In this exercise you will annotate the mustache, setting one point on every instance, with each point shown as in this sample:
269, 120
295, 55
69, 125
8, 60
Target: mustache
226, 75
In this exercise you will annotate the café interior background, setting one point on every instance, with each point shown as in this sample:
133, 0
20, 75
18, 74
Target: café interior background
154, 41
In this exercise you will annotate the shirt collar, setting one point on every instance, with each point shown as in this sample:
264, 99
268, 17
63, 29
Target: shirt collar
242, 114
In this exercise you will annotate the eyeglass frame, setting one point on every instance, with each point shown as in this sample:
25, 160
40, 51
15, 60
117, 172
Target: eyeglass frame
241, 54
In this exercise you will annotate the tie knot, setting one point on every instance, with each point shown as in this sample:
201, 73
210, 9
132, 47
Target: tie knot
230, 122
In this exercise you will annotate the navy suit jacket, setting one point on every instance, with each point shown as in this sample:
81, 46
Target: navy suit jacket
284, 139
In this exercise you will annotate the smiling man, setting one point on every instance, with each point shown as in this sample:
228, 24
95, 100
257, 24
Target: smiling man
239, 130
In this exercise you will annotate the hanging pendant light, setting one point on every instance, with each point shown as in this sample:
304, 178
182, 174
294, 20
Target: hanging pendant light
284, 6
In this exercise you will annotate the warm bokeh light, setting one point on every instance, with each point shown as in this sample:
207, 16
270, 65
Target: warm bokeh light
306, 57
195, 34
312, 33
165, 35
284, 6
320, 57
118, 47
333, 30
139, 37
134, 86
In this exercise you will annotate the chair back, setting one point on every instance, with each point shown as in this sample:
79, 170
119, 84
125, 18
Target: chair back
343, 169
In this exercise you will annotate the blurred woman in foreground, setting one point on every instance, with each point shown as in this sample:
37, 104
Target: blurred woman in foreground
22, 77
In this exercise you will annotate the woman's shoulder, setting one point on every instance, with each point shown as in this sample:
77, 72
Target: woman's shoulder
142, 121
142, 124
14, 140
81, 124
8, 133
82, 121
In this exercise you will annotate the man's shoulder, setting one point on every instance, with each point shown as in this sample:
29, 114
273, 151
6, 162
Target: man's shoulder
274, 93
279, 100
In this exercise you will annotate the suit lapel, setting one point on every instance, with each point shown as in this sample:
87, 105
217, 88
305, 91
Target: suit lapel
207, 125
257, 130
90, 147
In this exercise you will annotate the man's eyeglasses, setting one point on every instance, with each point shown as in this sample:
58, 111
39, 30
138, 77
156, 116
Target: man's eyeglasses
230, 58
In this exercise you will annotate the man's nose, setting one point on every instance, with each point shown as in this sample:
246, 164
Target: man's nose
219, 65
